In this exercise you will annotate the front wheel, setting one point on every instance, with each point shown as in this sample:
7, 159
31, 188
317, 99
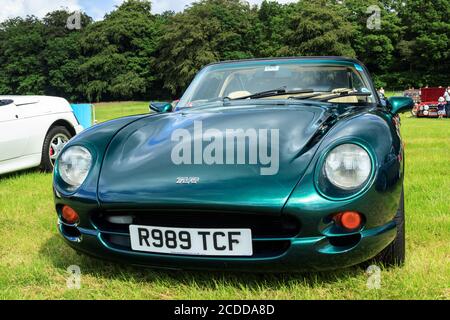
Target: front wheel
394, 254
54, 142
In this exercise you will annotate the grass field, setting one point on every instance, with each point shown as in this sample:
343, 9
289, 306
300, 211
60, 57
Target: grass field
112, 110
34, 259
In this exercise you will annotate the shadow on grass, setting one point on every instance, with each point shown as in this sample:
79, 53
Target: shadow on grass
18, 174
62, 256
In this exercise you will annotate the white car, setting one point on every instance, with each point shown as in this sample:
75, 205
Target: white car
33, 131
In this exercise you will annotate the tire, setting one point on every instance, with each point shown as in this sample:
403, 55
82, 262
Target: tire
394, 254
49, 153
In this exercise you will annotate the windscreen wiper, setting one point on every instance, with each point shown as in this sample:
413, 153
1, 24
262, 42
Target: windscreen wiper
274, 93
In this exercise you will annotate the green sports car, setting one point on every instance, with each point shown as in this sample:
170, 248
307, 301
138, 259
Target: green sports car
272, 165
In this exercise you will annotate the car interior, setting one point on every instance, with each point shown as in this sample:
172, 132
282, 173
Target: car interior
239, 83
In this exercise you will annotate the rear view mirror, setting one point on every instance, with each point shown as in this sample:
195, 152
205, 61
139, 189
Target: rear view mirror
161, 107
398, 104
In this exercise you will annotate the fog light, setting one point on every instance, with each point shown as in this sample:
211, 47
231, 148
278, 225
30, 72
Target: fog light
69, 215
349, 220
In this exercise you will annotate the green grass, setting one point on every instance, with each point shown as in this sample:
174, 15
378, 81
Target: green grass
34, 258
393, 94
113, 110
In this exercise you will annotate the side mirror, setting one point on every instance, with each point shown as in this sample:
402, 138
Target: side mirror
398, 104
161, 107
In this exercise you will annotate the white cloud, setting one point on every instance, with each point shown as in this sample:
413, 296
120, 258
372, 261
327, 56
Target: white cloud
95, 8
160, 6
39, 8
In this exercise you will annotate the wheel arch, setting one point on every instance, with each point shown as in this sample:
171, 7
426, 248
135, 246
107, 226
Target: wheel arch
55, 124
62, 123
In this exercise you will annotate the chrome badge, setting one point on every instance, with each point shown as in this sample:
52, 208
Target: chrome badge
188, 180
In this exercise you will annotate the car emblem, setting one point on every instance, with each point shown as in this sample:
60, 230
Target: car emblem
188, 180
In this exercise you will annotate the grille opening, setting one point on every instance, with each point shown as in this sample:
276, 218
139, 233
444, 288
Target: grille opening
261, 249
118, 241
262, 226
70, 232
345, 241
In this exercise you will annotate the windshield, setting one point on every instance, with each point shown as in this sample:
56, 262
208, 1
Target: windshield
333, 83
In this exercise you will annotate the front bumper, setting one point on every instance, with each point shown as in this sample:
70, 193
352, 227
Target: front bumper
303, 254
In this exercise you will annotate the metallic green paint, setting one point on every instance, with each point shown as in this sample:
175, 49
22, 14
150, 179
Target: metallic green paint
398, 104
132, 172
154, 175
161, 107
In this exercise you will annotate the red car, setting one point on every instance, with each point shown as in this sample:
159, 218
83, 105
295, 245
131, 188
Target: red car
428, 105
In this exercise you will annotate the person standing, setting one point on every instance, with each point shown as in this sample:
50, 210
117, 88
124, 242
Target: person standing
441, 108
447, 100
381, 93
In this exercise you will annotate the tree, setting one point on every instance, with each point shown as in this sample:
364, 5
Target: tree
426, 42
63, 56
317, 27
134, 54
119, 51
208, 31
21, 56
273, 19
376, 47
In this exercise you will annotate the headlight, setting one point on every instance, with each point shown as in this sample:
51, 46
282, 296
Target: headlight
74, 165
347, 166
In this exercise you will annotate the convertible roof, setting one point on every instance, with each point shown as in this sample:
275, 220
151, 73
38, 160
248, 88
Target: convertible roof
335, 58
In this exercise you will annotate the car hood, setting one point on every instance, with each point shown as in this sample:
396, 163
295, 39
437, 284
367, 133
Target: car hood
142, 169
42, 104
20, 100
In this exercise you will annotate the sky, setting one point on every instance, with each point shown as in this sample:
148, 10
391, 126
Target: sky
94, 8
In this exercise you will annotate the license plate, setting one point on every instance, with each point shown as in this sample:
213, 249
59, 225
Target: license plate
183, 241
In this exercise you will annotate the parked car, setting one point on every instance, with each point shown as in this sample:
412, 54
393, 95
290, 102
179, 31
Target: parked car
33, 131
269, 165
428, 105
